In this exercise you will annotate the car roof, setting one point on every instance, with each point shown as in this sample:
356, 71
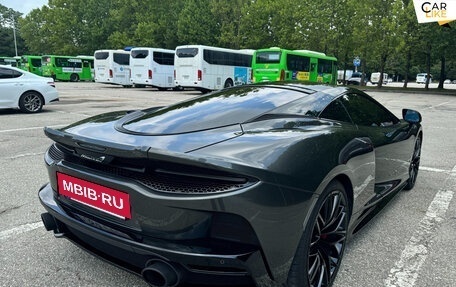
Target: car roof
11, 67
23, 72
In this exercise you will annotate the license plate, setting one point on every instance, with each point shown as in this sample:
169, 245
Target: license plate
97, 196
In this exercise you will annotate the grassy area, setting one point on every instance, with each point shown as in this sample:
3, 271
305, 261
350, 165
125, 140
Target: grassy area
397, 89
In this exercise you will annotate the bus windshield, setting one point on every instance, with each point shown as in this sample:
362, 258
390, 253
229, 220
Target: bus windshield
268, 57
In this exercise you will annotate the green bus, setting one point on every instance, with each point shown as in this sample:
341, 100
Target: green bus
31, 64
276, 64
67, 68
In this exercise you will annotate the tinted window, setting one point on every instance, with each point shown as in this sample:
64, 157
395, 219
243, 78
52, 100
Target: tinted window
45, 60
267, 57
311, 105
336, 111
227, 58
101, 55
187, 52
365, 111
122, 59
324, 66
9, 74
35, 62
139, 54
164, 58
71, 63
298, 63
222, 108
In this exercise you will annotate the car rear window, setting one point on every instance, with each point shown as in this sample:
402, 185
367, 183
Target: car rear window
219, 109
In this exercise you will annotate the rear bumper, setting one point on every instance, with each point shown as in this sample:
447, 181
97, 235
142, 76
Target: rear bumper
198, 267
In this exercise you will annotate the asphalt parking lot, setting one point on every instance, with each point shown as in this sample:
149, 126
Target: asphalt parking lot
410, 243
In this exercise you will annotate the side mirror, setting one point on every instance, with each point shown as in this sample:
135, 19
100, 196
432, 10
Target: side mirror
411, 116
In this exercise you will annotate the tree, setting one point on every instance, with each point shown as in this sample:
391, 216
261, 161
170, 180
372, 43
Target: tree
196, 25
157, 23
228, 15
9, 29
255, 26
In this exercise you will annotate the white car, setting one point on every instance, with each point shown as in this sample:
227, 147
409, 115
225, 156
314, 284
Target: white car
422, 77
22, 90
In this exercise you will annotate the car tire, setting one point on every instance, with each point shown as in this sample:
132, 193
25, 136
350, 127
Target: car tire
31, 102
322, 244
414, 164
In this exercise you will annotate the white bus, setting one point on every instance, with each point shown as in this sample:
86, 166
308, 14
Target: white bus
210, 68
112, 67
152, 67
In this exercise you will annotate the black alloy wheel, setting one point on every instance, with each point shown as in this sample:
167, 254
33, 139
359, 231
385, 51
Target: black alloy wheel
322, 246
31, 102
414, 164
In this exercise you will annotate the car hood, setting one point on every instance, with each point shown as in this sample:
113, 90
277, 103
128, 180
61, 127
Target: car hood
140, 130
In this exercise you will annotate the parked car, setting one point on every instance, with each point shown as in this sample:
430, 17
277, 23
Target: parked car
23, 90
257, 184
447, 81
356, 79
422, 77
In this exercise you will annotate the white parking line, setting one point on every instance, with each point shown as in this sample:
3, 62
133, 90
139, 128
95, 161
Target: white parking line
30, 128
406, 269
19, 230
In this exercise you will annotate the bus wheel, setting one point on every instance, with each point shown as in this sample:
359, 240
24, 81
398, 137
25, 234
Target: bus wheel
74, 78
228, 83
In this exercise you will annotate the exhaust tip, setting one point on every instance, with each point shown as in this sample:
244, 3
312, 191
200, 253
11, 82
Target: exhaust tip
159, 273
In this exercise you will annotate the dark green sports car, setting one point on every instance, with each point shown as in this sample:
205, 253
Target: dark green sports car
257, 185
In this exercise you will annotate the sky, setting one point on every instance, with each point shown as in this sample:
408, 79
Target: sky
23, 6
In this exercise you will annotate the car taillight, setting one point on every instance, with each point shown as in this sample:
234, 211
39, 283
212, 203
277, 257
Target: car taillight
200, 75
282, 75
110, 73
150, 74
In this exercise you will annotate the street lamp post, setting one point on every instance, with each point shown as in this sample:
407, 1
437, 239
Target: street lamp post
14, 34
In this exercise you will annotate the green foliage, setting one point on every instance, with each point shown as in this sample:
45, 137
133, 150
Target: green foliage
383, 33
8, 22
196, 25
